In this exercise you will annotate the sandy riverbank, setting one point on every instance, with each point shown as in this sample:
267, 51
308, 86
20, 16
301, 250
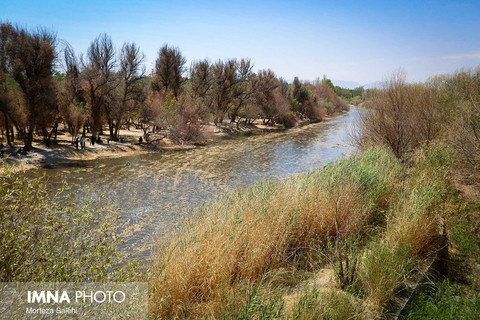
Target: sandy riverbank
64, 151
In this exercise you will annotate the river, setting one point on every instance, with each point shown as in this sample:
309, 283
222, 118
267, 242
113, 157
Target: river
156, 190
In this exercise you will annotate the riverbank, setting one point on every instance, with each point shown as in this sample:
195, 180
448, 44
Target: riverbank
63, 151
336, 242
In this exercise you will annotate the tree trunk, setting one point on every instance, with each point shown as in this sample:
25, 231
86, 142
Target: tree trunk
117, 129
96, 125
12, 135
54, 130
110, 127
28, 139
218, 117
7, 130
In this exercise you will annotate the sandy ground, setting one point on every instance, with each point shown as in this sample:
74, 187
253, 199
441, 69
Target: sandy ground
64, 150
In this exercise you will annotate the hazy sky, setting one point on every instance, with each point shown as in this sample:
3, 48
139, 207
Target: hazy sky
361, 41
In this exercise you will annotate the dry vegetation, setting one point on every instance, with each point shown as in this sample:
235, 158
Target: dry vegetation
401, 116
251, 239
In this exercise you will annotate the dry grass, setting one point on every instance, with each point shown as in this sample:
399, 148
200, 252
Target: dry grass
248, 236
238, 255
328, 304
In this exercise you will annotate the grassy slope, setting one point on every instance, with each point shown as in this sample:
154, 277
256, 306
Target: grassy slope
240, 255
457, 296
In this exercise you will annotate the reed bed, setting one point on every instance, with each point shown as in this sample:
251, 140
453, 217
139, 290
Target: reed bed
249, 235
246, 242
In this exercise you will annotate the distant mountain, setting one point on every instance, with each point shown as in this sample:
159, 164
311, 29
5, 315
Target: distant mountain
373, 85
346, 84
353, 84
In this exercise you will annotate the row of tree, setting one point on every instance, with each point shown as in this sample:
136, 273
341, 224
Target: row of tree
44, 84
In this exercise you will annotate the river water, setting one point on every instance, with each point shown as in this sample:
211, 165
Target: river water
155, 191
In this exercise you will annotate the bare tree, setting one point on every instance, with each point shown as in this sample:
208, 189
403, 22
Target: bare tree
99, 78
201, 78
71, 100
462, 92
402, 116
284, 88
244, 89
5, 101
30, 60
169, 69
296, 86
131, 91
265, 97
224, 79
72, 74
201, 83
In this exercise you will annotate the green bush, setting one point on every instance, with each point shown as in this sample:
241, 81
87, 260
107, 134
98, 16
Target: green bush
55, 237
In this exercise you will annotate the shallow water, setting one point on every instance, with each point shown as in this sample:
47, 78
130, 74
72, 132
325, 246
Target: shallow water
155, 191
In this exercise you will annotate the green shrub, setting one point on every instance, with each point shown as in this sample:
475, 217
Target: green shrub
55, 238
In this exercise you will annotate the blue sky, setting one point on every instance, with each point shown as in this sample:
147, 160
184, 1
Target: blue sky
362, 41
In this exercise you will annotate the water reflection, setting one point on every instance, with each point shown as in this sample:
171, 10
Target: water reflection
153, 191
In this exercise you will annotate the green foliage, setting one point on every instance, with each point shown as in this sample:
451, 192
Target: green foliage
79, 106
60, 76
382, 270
303, 94
375, 180
342, 92
169, 112
170, 103
327, 82
327, 105
12, 86
352, 95
456, 297
255, 306
446, 301
357, 92
294, 105
356, 100
55, 238
412, 224
334, 305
